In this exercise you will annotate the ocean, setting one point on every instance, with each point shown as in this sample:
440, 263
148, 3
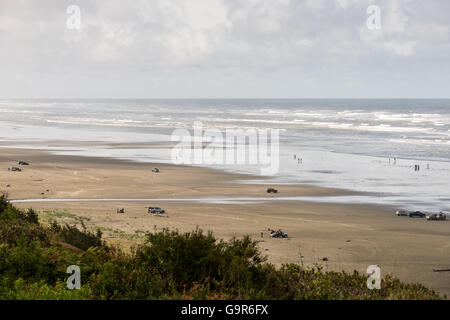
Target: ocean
370, 146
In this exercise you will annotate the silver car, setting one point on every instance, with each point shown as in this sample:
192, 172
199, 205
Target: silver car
402, 213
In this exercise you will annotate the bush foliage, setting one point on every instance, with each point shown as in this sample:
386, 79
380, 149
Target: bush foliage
169, 265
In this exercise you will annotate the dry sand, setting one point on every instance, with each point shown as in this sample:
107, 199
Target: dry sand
349, 236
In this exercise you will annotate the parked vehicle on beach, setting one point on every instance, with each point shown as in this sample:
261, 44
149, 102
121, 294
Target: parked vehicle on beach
278, 234
416, 214
272, 190
401, 213
156, 210
437, 216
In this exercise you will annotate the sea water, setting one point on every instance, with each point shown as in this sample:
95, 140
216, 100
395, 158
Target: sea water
370, 146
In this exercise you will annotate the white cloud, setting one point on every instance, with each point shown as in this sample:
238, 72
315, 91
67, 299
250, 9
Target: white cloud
403, 48
394, 19
346, 3
227, 40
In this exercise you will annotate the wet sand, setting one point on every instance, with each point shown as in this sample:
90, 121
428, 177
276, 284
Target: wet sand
350, 236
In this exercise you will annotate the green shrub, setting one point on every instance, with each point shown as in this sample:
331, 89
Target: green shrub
182, 258
22, 290
16, 231
31, 216
17, 226
9, 212
123, 278
82, 239
196, 258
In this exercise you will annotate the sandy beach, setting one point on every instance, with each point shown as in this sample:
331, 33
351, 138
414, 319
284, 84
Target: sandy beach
338, 236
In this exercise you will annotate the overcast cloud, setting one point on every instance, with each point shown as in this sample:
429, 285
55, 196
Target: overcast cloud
224, 49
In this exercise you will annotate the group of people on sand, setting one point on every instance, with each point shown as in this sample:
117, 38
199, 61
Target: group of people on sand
416, 166
299, 160
394, 161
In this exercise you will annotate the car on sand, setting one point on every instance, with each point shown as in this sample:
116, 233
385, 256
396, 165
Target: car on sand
278, 234
401, 213
272, 190
437, 216
156, 210
416, 214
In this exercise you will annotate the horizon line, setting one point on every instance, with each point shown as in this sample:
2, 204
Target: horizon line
248, 98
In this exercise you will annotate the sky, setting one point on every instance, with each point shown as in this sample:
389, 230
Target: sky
224, 49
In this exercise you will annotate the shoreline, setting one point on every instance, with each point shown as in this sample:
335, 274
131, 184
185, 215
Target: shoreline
353, 173
350, 236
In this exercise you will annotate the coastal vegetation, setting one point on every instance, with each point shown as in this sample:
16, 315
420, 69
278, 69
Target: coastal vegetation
169, 265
